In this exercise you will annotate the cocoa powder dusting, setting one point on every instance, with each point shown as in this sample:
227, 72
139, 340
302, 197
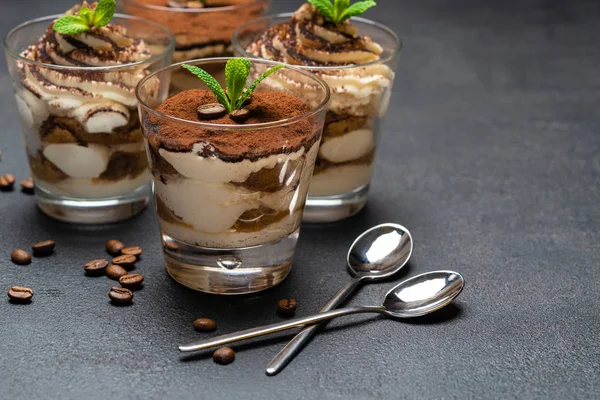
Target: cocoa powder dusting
233, 145
195, 28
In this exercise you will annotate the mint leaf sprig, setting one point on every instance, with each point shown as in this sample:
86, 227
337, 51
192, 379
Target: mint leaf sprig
237, 71
341, 10
87, 18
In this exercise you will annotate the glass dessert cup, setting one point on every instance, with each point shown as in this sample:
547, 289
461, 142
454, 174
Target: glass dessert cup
199, 32
230, 197
81, 125
360, 97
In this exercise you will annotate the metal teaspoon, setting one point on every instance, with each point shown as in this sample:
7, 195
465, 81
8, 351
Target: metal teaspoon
376, 254
414, 297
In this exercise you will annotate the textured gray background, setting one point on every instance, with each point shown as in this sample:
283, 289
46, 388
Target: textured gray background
491, 158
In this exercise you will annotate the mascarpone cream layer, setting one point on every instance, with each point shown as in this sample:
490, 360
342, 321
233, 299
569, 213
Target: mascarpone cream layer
351, 146
85, 162
85, 188
340, 179
100, 100
209, 204
310, 40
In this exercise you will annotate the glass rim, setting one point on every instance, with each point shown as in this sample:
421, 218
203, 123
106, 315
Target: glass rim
17, 55
207, 10
229, 127
394, 53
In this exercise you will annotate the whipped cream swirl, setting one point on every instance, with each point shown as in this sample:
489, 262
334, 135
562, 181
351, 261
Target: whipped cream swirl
310, 40
100, 100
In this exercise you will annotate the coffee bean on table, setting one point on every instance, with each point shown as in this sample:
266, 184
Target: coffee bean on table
120, 295
6, 182
20, 257
20, 294
131, 281
241, 115
95, 267
126, 261
224, 355
27, 185
211, 111
287, 307
132, 251
205, 325
114, 272
114, 247
44, 248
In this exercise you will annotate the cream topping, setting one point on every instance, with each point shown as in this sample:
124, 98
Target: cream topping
82, 94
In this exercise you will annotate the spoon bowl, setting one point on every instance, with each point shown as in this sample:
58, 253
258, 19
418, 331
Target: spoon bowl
380, 251
423, 294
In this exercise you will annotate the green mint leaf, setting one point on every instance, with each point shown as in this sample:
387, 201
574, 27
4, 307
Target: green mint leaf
105, 9
339, 7
71, 25
87, 15
212, 84
324, 7
236, 74
357, 9
252, 87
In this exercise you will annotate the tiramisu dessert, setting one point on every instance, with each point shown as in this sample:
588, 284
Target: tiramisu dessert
78, 107
202, 28
329, 44
231, 168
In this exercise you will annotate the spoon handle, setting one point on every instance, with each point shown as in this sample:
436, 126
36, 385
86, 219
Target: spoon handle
295, 345
280, 326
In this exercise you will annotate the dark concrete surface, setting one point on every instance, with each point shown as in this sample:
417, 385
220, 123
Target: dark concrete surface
491, 157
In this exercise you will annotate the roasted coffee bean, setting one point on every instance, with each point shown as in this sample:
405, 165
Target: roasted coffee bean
224, 355
114, 247
241, 115
287, 307
171, 246
205, 325
120, 295
20, 294
126, 261
131, 281
95, 267
132, 251
44, 248
6, 182
27, 186
20, 257
211, 111
115, 272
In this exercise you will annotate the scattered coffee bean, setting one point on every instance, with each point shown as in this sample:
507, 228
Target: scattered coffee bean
20, 294
20, 257
27, 186
120, 295
126, 261
44, 248
132, 251
95, 267
6, 182
114, 247
115, 272
131, 281
287, 307
205, 325
224, 355
211, 111
241, 115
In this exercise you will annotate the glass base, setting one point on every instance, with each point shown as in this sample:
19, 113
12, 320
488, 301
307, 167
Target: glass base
93, 211
321, 209
230, 271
